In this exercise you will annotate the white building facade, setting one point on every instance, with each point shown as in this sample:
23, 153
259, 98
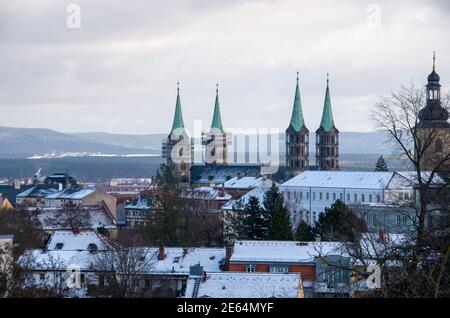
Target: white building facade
309, 193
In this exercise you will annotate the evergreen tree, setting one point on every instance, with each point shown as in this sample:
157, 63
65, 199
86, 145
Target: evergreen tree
254, 223
168, 223
280, 225
381, 164
304, 232
339, 223
272, 198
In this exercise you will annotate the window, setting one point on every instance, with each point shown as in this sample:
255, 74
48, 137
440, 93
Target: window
328, 196
355, 198
59, 246
348, 197
82, 278
101, 280
250, 268
279, 269
334, 196
320, 195
363, 197
314, 195
341, 196
370, 198
314, 216
378, 198
307, 195
42, 276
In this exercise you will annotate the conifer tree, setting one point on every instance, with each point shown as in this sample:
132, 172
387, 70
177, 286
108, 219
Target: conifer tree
280, 225
254, 223
381, 164
304, 232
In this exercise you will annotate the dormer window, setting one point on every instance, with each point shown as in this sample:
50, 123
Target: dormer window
92, 248
59, 246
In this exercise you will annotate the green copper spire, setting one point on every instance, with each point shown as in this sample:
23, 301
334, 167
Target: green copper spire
327, 122
297, 121
178, 117
216, 124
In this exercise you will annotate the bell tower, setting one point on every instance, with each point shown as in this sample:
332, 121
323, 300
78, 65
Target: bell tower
433, 129
327, 137
297, 139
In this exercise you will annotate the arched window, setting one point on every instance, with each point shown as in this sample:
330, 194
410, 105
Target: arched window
438, 146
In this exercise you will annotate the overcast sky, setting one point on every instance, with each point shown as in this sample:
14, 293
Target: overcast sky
118, 71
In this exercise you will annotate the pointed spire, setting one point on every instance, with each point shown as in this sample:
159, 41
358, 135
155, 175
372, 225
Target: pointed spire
327, 122
178, 117
217, 119
434, 60
297, 121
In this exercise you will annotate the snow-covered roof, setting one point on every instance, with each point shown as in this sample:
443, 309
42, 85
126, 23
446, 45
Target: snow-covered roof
99, 218
426, 175
70, 241
206, 193
71, 194
60, 260
179, 260
242, 201
140, 204
176, 261
247, 183
221, 173
246, 285
40, 190
341, 179
284, 251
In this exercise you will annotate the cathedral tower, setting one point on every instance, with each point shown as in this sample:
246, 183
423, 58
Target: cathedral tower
327, 138
216, 141
177, 148
433, 129
297, 139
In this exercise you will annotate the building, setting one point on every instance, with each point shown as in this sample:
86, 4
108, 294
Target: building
5, 203
327, 138
34, 196
433, 129
297, 139
9, 192
239, 186
166, 274
216, 141
81, 197
205, 199
309, 193
307, 258
177, 148
62, 180
137, 214
243, 285
216, 175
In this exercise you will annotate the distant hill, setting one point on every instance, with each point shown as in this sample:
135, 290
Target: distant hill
25, 142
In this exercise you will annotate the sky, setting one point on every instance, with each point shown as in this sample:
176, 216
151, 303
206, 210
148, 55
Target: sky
112, 66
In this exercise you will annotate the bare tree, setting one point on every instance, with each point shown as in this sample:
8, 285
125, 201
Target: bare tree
122, 269
72, 217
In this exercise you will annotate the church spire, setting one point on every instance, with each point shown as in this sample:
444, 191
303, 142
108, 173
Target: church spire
216, 124
178, 117
327, 122
297, 121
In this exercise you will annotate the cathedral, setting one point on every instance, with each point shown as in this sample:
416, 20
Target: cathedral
433, 131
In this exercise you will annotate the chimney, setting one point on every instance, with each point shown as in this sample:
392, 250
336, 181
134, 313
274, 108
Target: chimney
161, 254
228, 253
381, 236
76, 231
60, 186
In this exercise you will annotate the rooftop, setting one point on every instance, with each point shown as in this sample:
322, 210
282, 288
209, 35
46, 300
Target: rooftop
242, 201
70, 241
247, 183
71, 194
246, 285
341, 179
284, 251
